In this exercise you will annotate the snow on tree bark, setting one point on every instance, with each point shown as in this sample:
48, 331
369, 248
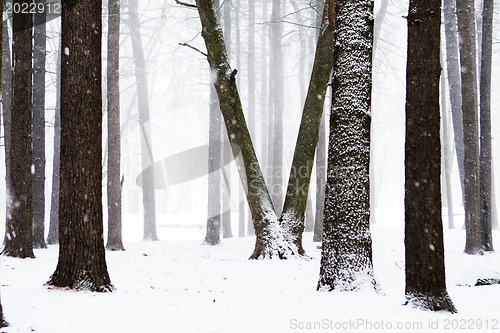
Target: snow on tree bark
346, 260
18, 230
269, 240
424, 248
82, 263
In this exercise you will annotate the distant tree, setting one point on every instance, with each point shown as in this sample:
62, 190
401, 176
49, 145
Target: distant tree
148, 194
346, 260
485, 157
114, 188
424, 249
82, 263
468, 66
18, 231
293, 216
320, 181
53, 237
39, 57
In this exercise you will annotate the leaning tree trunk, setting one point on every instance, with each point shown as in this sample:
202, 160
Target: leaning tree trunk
292, 218
485, 156
468, 65
454, 82
3, 323
39, 56
82, 263
148, 194
18, 230
346, 259
424, 248
114, 186
269, 241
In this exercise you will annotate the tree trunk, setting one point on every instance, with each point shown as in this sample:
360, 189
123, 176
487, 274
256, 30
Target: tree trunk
485, 118
82, 263
39, 51
292, 218
424, 249
53, 237
346, 259
454, 82
447, 153
148, 194
114, 186
269, 242
468, 65
320, 181
19, 228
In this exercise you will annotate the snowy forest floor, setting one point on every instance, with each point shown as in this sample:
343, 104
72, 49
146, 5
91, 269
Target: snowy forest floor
179, 285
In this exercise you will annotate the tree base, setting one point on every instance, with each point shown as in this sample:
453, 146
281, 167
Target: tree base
42, 245
115, 247
18, 254
79, 283
441, 302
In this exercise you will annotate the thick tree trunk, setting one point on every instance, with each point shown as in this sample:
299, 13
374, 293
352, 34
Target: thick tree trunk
82, 263
114, 186
468, 65
292, 218
424, 249
19, 228
269, 242
39, 51
346, 259
485, 118
148, 194
454, 82
53, 237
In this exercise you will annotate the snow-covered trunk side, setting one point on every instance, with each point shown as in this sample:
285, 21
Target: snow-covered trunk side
53, 236
82, 258
485, 156
18, 229
292, 218
270, 242
346, 259
148, 194
278, 98
114, 186
468, 66
424, 248
39, 56
212, 236
454, 82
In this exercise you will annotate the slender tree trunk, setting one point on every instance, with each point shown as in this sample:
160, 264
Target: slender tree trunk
424, 249
114, 186
467, 32
19, 228
346, 259
447, 152
292, 218
485, 116
270, 242
82, 263
278, 93
147, 159
39, 51
53, 237
454, 82
320, 181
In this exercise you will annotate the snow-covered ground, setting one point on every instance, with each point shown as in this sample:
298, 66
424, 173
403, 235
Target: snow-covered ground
181, 285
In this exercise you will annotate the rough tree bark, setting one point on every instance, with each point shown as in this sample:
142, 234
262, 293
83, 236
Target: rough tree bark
82, 263
39, 56
114, 186
148, 194
468, 65
19, 227
485, 157
292, 218
269, 241
346, 259
424, 249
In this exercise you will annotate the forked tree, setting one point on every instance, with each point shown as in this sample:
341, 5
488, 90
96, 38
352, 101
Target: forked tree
424, 249
346, 259
82, 263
